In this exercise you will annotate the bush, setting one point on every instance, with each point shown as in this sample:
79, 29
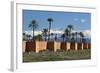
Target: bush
44, 51
59, 50
47, 55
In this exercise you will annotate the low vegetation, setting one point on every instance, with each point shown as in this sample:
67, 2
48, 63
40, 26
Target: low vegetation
60, 55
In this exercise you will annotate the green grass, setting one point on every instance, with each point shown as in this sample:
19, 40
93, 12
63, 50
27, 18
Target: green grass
57, 56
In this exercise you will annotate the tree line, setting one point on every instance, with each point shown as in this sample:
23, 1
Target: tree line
68, 35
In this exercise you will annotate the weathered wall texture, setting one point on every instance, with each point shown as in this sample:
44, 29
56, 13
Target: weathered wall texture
23, 46
63, 46
53, 45
72, 46
37, 46
85, 46
79, 46
89, 46
76, 48
57, 46
41, 45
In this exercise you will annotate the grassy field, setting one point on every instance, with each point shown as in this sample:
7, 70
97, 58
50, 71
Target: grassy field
57, 56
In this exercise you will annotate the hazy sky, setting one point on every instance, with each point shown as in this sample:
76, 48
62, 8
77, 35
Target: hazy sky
80, 21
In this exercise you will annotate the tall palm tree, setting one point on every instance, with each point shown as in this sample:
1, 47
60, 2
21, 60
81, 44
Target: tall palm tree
76, 34
33, 25
50, 20
45, 33
81, 36
70, 28
66, 32
63, 36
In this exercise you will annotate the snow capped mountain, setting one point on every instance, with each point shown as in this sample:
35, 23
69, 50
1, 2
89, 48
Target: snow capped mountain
87, 33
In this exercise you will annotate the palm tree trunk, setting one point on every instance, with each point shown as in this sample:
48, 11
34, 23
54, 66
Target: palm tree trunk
49, 30
33, 33
81, 40
63, 39
45, 37
76, 38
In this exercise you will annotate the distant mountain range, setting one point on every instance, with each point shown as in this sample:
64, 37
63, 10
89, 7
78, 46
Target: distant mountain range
88, 40
59, 38
87, 33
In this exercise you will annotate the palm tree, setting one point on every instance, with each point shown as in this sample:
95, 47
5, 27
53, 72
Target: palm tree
52, 35
76, 34
81, 36
33, 25
55, 37
45, 33
24, 36
63, 36
70, 28
66, 32
28, 37
73, 37
50, 20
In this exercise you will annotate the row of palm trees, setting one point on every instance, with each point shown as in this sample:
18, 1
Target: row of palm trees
34, 25
68, 35
72, 37
47, 34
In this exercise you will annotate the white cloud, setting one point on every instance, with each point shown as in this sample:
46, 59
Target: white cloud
87, 33
83, 20
56, 31
40, 32
31, 32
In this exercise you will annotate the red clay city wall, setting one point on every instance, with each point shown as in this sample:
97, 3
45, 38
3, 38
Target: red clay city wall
37, 46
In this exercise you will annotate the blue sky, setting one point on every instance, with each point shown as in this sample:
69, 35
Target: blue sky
80, 21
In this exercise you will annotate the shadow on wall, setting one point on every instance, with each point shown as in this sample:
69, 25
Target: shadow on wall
37, 46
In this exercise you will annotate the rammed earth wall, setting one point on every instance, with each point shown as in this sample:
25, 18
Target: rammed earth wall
37, 46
